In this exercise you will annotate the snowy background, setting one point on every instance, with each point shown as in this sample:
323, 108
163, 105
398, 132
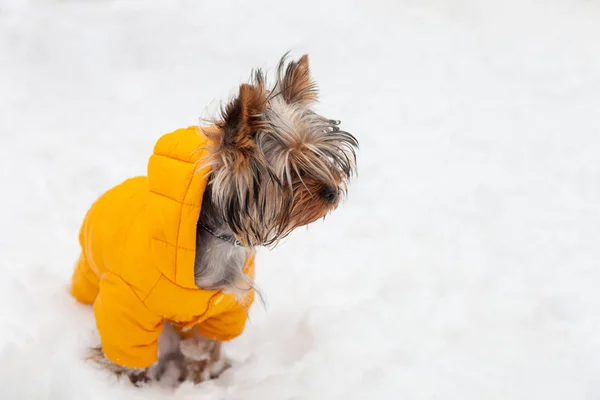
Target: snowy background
463, 265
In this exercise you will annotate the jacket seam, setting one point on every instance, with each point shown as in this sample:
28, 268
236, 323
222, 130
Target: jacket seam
172, 245
152, 288
208, 306
131, 288
187, 189
170, 157
175, 200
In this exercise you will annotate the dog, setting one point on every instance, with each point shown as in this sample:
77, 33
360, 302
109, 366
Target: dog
168, 259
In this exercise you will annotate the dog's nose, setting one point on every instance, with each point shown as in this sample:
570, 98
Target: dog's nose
329, 194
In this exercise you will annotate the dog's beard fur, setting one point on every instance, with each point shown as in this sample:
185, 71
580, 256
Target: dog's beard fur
275, 164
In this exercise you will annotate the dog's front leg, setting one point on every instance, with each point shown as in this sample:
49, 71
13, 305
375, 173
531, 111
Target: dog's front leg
203, 357
218, 362
136, 376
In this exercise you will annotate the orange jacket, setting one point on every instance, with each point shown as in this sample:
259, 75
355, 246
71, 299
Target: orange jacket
138, 244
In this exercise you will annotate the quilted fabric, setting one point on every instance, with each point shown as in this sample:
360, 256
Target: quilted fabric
138, 243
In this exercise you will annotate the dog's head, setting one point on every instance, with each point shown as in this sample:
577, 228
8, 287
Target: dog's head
276, 164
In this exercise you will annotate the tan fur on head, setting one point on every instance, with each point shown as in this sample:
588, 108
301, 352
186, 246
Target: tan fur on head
295, 82
276, 164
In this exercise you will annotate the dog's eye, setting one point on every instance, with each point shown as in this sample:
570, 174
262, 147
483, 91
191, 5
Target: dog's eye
301, 173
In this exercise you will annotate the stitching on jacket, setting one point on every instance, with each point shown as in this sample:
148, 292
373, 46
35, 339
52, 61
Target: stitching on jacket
170, 198
132, 290
171, 244
209, 303
187, 189
170, 157
160, 275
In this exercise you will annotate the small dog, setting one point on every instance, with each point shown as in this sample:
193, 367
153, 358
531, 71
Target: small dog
270, 164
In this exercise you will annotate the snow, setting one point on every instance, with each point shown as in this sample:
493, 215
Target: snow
464, 263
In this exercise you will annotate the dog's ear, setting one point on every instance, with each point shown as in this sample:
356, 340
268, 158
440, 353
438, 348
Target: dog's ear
242, 116
236, 130
295, 83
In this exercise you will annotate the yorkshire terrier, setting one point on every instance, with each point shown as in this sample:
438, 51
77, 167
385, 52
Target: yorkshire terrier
273, 165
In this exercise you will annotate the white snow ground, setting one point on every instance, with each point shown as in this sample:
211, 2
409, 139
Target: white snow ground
464, 264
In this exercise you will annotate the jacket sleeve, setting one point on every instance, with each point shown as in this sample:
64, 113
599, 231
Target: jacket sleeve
128, 330
229, 324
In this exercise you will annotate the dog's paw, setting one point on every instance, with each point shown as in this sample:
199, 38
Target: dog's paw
137, 376
218, 367
203, 358
170, 370
204, 370
197, 371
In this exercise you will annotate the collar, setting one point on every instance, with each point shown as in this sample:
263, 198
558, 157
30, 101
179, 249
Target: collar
226, 238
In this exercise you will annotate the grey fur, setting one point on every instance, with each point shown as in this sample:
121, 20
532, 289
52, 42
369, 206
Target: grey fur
218, 264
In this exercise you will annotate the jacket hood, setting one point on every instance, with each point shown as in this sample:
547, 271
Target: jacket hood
176, 183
